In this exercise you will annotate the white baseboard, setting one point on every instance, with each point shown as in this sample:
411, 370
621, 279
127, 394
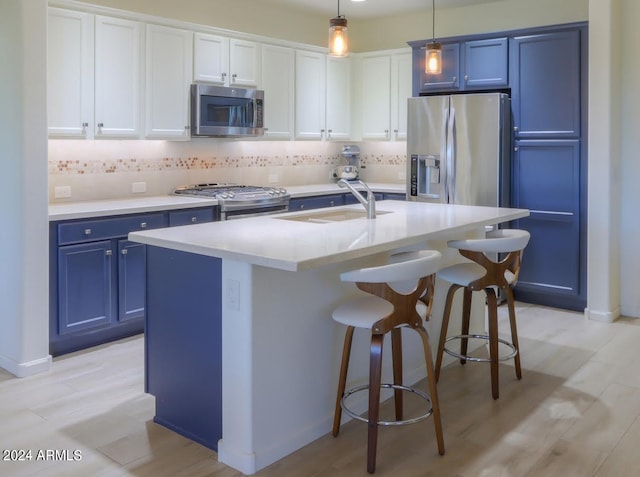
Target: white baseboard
603, 316
30, 368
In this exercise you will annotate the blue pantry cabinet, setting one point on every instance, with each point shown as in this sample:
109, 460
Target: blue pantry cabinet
549, 88
97, 280
545, 72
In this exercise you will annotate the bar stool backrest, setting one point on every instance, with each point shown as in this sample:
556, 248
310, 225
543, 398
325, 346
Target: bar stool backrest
391, 282
503, 273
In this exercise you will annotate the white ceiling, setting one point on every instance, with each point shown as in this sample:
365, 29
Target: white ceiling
370, 8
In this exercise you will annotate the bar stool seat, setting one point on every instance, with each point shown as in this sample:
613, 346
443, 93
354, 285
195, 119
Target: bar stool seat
484, 273
399, 295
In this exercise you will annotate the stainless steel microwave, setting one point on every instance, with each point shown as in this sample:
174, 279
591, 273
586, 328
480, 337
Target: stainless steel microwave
221, 111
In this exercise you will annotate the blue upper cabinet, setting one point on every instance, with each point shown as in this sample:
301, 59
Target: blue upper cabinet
449, 78
466, 65
546, 84
486, 63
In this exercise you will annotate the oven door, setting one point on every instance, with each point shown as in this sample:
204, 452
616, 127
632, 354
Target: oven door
241, 213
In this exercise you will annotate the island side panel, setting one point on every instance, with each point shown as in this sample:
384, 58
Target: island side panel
183, 347
285, 348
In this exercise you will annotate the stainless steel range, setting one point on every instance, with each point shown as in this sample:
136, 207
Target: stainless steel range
236, 201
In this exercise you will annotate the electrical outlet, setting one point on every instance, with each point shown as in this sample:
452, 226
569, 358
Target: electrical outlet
62, 192
138, 187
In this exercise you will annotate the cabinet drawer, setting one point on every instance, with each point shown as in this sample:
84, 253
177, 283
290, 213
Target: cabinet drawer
101, 229
316, 202
191, 216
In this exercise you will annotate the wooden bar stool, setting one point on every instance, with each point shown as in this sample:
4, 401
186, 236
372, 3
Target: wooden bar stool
485, 274
400, 294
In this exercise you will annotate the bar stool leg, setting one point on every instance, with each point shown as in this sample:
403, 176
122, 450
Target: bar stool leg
375, 372
466, 317
342, 380
443, 329
433, 390
396, 349
492, 304
514, 331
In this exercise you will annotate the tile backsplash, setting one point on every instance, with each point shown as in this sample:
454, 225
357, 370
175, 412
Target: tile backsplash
95, 170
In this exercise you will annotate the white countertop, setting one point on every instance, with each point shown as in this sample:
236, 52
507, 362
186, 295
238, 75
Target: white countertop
102, 208
274, 242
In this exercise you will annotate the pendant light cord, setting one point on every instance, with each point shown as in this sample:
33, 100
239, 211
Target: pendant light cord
433, 19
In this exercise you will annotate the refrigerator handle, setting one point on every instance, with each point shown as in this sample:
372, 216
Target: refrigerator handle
451, 157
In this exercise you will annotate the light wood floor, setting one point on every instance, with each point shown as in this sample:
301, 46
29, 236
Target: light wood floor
575, 413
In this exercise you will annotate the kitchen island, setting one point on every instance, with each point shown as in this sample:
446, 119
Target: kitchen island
241, 352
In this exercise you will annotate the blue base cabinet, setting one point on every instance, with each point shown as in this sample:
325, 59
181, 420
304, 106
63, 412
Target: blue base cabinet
97, 278
183, 344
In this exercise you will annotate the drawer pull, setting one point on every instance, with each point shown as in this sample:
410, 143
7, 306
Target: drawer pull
194, 220
143, 225
108, 253
87, 231
124, 251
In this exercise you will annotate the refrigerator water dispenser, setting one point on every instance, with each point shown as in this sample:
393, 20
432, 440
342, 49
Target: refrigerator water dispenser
425, 176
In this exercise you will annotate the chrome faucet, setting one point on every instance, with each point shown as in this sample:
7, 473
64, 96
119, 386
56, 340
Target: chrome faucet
369, 203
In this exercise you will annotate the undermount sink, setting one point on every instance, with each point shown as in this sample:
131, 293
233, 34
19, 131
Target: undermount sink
326, 217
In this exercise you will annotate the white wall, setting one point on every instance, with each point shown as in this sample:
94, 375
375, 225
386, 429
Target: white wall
24, 312
629, 164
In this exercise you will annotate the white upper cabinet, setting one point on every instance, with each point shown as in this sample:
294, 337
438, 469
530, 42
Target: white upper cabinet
117, 77
226, 62
376, 97
169, 53
383, 85
401, 91
244, 63
338, 107
278, 82
310, 95
210, 58
70, 74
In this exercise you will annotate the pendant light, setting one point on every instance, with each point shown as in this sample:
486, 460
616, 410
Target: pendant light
338, 39
433, 53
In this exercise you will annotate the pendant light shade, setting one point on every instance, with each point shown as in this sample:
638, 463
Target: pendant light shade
433, 52
338, 38
433, 59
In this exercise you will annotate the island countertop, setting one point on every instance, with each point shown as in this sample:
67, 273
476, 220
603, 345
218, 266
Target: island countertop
275, 241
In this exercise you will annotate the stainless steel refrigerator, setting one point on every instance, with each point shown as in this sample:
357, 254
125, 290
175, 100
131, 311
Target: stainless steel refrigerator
459, 149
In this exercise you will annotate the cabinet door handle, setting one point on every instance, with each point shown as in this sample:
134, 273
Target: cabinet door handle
100, 126
224, 75
87, 231
515, 129
124, 251
466, 78
454, 79
108, 253
143, 225
234, 76
515, 149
